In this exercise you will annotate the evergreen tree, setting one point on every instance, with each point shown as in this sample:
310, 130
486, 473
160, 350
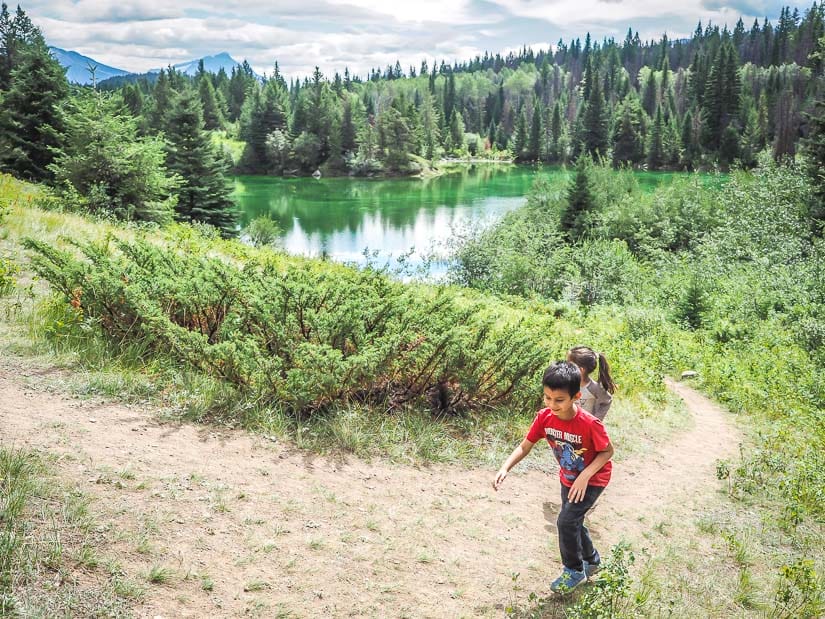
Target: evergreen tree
628, 141
456, 131
534, 142
106, 162
656, 149
649, 99
596, 123
729, 146
394, 139
814, 149
161, 100
576, 216
31, 119
690, 142
430, 137
348, 127
204, 194
520, 138
263, 113
556, 131
212, 115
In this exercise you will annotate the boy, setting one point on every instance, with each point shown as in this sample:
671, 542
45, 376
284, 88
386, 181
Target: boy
582, 447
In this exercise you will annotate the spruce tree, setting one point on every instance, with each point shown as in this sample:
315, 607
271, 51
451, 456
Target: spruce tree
814, 149
576, 216
109, 165
649, 99
556, 130
534, 142
204, 195
31, 119
596, 123
520, 138
628, 145
212, 114
656, 150
456, 131
690, 144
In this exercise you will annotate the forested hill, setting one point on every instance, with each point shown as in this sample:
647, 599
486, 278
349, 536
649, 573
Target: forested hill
716, 97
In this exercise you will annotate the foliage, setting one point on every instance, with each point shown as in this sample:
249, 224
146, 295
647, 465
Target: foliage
301, 338
575, 219
696, 102
204, 194
262, 231
109, 166
32, 89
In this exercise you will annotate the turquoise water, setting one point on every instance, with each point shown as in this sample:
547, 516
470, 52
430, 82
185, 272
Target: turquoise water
342, 218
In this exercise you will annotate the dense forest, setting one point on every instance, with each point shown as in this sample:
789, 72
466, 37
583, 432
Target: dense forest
153, 149
716, 97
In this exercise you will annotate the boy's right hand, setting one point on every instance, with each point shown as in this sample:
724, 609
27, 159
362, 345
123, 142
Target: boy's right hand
499, 479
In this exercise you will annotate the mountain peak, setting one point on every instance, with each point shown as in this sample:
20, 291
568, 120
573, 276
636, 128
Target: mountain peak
77, 67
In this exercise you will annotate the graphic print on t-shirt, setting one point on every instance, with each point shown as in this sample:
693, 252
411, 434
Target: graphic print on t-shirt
571, 460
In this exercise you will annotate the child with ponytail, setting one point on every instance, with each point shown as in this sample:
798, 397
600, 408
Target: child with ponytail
596, 397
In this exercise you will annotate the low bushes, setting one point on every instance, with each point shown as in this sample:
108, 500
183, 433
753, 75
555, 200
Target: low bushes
300, 336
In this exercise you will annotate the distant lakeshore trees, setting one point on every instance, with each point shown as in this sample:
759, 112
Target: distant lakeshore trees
717, 98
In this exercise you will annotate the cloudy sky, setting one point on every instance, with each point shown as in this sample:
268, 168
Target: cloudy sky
358, 34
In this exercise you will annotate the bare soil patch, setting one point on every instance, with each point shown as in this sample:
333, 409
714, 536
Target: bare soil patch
247, 526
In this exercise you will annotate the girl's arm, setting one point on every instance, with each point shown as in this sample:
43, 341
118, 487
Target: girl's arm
512, 460
603, 401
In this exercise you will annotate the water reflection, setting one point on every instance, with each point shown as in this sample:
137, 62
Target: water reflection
341, 217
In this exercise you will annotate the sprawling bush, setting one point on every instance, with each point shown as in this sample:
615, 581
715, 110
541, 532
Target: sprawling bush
302, 337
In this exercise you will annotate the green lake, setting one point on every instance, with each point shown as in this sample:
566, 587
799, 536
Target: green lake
342, 218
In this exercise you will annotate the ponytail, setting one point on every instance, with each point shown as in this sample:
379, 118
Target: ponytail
604, 374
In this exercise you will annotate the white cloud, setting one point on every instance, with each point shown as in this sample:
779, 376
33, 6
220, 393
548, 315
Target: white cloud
359, 34
440, 11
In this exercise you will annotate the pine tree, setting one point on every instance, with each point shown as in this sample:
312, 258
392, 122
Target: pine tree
456, 131
814, 149
628, 143
204, 194
649, 98
596, 123
520, 138
106, 162
534, 142
576, 216
212, 115
31, 120
656, 149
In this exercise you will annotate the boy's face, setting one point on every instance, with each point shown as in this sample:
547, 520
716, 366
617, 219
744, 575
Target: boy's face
560, 402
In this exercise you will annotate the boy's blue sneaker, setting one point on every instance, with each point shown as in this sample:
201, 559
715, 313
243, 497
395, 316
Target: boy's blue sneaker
591, 567
569, 580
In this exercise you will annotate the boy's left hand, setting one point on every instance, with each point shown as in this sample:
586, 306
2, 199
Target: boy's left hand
578, 489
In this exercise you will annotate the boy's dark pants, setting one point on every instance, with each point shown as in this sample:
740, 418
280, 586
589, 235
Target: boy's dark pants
574, 538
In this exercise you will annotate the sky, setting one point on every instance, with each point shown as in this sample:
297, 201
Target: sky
359, 34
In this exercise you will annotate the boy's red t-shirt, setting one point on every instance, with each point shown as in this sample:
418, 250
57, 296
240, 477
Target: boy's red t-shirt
575, 443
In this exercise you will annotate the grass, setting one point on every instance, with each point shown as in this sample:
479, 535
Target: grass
131, 373
45, 530
743, 582
160, 575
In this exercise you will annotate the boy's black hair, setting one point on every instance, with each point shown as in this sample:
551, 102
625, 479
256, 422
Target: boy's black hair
563, 375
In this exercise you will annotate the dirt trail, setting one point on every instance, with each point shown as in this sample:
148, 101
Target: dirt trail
280, 531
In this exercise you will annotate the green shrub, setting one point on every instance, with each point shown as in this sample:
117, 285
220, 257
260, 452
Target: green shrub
301, 337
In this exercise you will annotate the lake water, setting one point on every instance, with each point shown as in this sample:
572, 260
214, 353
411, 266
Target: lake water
342, 218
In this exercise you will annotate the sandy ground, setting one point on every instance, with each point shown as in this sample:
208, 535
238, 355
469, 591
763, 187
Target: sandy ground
282, 533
